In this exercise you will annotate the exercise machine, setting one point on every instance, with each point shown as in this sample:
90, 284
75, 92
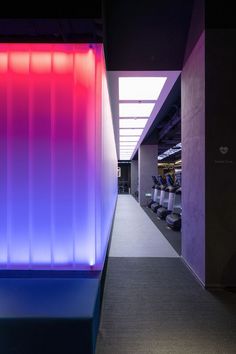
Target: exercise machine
159, 194
167, 204
173, 220
154, 191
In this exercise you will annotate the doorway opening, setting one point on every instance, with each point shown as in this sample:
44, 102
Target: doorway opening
124, 180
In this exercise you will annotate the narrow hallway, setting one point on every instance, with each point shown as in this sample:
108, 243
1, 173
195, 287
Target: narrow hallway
154, 304
135, 235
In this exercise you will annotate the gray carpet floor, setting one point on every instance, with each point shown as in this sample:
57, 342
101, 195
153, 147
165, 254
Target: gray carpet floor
155, 305
135, 235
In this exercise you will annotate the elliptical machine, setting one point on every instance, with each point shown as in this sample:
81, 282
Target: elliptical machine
163, 211
173, 220
160, 193
154, 191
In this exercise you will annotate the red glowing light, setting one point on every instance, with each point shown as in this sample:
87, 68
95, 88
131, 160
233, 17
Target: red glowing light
3, 62
19, 62
62, 63
55, 121
41, 62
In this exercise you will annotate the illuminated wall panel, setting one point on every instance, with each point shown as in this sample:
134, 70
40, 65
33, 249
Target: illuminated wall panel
58, 164
3, 160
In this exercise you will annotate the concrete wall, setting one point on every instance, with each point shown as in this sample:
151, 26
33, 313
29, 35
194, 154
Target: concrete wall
147, 166
220, 167
196, 28
193, 159
134, 176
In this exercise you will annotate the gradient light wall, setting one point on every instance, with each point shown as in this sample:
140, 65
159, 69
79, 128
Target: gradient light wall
58, 163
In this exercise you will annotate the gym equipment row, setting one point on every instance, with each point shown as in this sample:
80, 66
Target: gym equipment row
166, 200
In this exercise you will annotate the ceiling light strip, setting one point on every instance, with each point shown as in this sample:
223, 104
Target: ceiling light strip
129, 139
135, 110
140, 88
131, 132
132, 123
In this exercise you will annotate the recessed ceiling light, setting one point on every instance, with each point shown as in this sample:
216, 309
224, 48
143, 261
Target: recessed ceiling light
128, 143
170, 151
129, 138
127, 148
127, 151
130, 132
135, 109
133, 123
130, 148
140, 88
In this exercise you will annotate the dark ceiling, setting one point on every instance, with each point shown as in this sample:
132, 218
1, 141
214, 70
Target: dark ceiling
51, 30
137, 35
146, 35
167, 121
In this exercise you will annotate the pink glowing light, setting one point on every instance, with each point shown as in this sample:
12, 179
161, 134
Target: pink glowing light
57, 191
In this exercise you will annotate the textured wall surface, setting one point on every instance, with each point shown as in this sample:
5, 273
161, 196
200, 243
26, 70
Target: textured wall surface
134, 176
193, 159
58, 165
220, 157
147, 167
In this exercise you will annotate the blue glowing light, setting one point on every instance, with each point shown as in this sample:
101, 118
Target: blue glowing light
58, 165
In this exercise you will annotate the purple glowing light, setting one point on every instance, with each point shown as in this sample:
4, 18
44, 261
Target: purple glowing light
57, 190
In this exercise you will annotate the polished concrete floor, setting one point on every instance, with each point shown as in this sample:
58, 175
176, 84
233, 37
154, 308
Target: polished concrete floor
135, 235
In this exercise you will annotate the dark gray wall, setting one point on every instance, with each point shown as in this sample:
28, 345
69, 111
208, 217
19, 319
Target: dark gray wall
134, 176
197, 26
220, 168
147, 166
146, 35
193, 159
